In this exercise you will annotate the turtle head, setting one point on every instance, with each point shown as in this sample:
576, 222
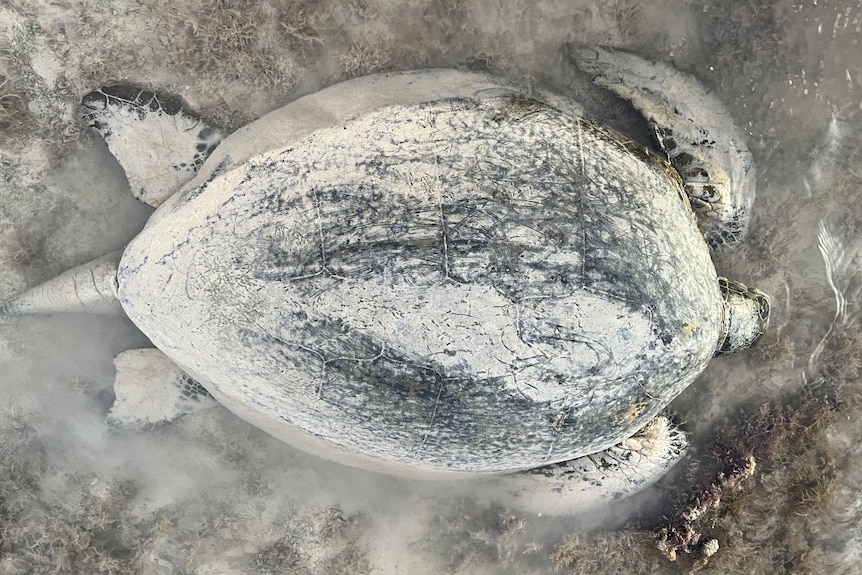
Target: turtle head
746, 315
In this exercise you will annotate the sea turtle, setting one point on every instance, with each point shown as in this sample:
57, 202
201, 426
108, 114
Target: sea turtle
433, 273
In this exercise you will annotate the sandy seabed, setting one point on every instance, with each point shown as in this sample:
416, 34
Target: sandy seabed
211, 495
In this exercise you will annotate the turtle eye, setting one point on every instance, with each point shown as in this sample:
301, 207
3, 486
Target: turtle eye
763, 312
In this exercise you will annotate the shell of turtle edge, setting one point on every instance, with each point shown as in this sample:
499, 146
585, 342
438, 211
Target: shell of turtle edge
431, 272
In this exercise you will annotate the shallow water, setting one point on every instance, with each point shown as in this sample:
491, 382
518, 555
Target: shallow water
209, 494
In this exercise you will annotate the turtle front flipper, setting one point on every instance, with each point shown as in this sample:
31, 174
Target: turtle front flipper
159, 144
595, 480
150, 390
694, 130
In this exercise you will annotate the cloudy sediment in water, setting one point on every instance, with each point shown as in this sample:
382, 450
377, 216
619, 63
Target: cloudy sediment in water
210, 494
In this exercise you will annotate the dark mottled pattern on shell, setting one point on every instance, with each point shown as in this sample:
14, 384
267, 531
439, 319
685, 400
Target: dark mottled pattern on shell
475, 284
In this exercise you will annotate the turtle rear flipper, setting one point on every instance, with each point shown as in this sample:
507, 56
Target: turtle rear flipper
159, 144
150, 390
695, 131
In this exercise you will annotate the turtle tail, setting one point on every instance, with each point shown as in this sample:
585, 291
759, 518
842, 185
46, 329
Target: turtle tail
88, 288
